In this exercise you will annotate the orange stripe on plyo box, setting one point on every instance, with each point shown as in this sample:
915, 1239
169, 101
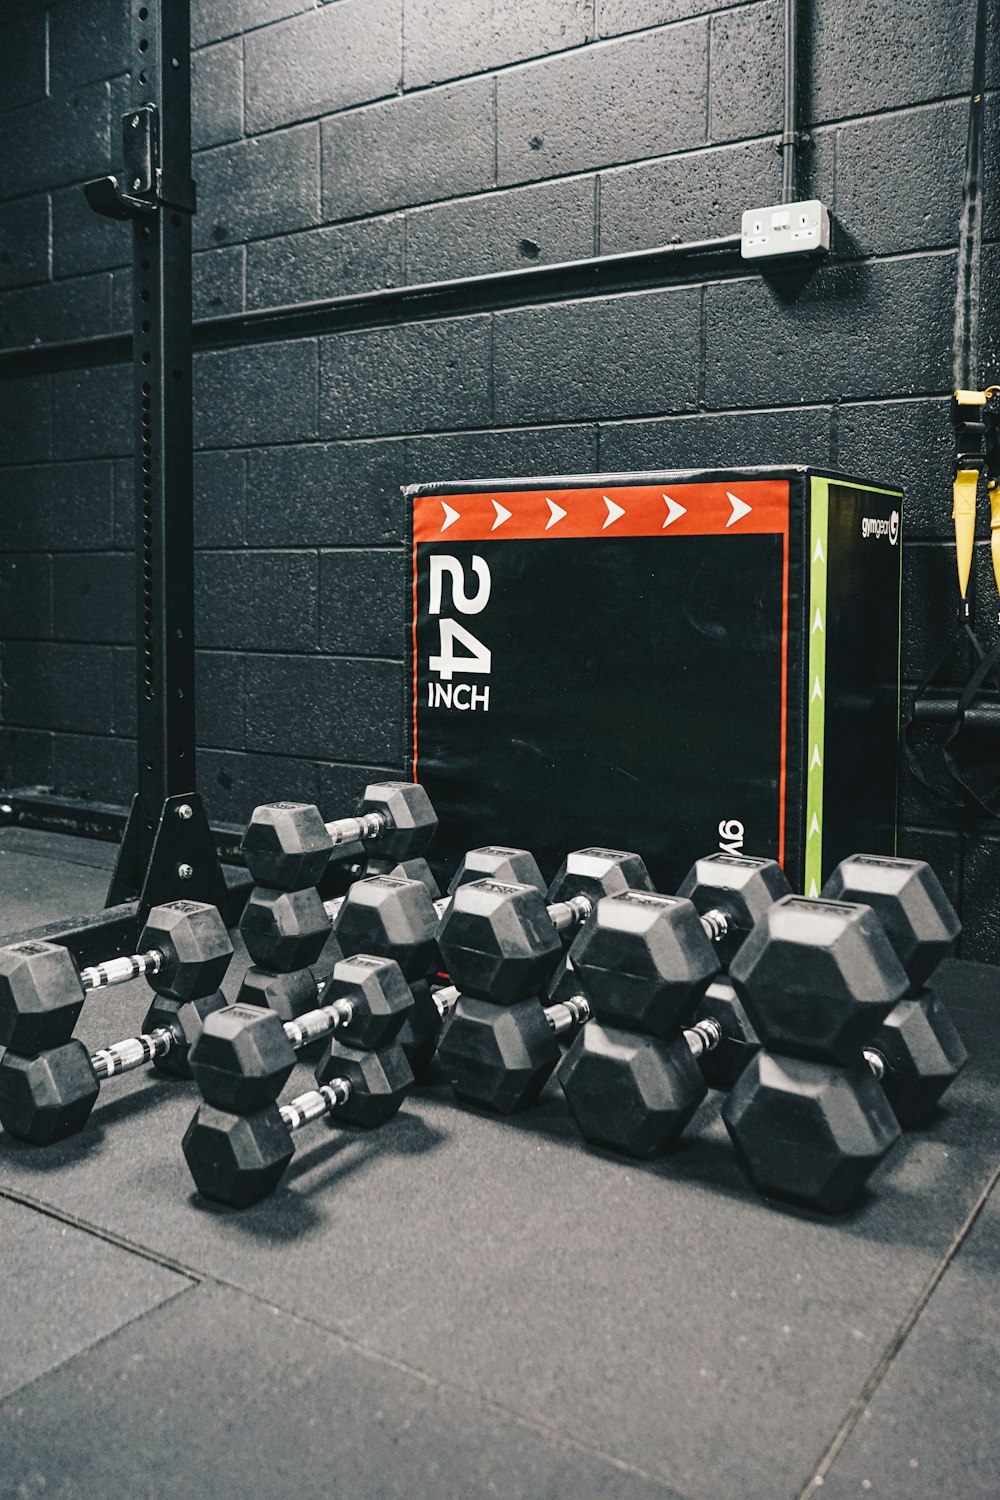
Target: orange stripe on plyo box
679, 510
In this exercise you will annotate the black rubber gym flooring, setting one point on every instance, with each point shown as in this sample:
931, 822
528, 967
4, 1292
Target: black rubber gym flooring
460, 1306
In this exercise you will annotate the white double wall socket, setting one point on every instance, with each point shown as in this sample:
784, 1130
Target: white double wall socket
785, 229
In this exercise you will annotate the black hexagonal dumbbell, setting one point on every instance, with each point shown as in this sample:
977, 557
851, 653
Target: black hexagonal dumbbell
501, 942
391, 914
185, 954
917, 1050
387, 914
286, 930
287, 845
646, 964
240, 1141
49, 1095
808, 1118
646, 960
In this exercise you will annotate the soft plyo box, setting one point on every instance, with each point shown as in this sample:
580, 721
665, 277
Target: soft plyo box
675, 663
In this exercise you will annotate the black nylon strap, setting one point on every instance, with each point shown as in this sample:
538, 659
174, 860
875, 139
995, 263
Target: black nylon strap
964, 364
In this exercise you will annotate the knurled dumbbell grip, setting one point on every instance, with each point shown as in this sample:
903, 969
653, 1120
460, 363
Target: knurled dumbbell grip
357, 830
316, 1103
121, 970
572, 913
312, 1025
133, 1052
561, 1017
716, 925
703, 1037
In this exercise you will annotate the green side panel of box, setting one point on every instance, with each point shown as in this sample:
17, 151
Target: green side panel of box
853, 672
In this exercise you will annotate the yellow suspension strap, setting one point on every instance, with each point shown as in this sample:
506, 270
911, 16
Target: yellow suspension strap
991, 450
967, 419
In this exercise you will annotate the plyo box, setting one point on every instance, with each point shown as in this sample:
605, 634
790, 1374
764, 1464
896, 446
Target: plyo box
675, 663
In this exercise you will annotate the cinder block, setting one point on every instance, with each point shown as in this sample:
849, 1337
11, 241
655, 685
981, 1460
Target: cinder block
501, 455
930, 614
341, 787
220, 696
325, 707
213, 19
263, 601
609, 356
92, 412
691, 197
23, 60
24, 241
717, 439
82, 240
56, 507
325, 263
415, 149
643, 96
123, 501
980, 910
93, 767
942, 849
361, 604
25, 419
264, 393
49, 685
472, 36
411, 378
328, 59
616, 16
25, 757
234, 783
899, 179
123, 715
217, 94
56, 310
325, 495
56, 140
881, 329
87, 42
219, 499
93, 597
217, 278
25, 597
909, 443
875, 55
746, 82
553, 221
237, 193
121, 300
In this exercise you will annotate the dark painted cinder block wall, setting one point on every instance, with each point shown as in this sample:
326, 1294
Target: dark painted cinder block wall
365, 143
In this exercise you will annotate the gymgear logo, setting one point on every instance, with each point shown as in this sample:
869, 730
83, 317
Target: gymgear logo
876, 526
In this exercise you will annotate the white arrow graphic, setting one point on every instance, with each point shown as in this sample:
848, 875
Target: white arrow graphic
614, 511
556, 513
815, 760
817, 691
674, 509
812, 889
818, 622
503, 514
818, 554
740, 508
814, 825
450, 516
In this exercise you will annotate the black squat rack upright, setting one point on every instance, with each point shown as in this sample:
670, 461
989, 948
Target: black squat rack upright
167, 851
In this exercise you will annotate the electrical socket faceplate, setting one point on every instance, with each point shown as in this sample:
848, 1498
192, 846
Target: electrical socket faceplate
785, 229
